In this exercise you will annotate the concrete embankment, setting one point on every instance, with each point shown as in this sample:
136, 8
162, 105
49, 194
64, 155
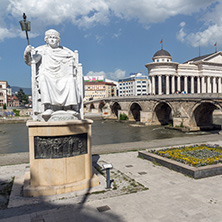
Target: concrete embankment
18, 158
14, 120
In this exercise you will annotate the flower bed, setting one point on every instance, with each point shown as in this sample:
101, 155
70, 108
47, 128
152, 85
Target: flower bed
197, 156
197, 161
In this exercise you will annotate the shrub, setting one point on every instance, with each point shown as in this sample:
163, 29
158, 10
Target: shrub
17, 112
123, 116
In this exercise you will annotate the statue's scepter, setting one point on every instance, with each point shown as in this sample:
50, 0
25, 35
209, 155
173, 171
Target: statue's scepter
26, 26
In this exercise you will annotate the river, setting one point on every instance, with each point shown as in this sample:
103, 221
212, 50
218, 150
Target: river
14, 137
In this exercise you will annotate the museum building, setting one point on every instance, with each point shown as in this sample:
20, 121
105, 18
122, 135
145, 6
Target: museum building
201, 74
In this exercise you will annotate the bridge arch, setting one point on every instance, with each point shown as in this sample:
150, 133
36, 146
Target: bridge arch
135, 109
101, 105
92, 106
163, 113
203, 113
115, 107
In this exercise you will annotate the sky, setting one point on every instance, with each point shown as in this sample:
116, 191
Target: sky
114, 37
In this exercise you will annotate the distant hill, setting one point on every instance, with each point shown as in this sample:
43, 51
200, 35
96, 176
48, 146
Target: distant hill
27, 91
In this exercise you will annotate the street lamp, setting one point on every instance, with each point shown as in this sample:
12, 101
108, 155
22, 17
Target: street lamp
26, 26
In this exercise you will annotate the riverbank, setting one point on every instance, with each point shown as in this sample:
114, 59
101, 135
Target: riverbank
8, 120
19, 158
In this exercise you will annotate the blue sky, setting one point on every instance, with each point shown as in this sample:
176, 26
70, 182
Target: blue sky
114, 37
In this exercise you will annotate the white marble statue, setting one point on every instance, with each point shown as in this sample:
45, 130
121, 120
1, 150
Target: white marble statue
57, 82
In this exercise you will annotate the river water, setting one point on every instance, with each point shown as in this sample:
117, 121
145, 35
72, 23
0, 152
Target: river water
14, 137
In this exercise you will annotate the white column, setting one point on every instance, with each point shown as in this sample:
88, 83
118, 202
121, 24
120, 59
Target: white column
192, 84
219, 85
153, 85
160, 85
198, 84
173, 84
149, 86
185, 84
167, 85
178, 84
214, 85
208, 85
203, 85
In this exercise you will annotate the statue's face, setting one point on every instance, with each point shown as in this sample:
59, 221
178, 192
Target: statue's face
53, 41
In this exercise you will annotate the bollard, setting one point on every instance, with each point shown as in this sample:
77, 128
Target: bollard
107, 167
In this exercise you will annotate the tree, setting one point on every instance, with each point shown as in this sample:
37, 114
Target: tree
22, 97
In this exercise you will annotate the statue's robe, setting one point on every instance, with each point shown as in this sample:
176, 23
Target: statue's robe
55, 76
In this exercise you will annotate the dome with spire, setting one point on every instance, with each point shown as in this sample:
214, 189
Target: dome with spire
162, 56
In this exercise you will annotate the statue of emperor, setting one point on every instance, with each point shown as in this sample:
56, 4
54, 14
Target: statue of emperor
57, 81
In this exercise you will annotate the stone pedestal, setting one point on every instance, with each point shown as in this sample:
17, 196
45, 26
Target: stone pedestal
60, 157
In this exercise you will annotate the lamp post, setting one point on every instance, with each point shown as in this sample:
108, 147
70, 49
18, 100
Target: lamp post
26, 26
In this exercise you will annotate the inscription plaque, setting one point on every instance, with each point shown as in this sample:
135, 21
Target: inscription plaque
49, 147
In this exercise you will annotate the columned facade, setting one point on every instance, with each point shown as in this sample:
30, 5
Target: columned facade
198, 75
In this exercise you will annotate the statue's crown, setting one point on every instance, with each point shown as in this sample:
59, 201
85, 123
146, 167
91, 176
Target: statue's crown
52, 32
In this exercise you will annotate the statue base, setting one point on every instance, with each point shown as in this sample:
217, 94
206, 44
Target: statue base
60, 158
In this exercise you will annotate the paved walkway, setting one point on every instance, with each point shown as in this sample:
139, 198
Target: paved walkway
171, 197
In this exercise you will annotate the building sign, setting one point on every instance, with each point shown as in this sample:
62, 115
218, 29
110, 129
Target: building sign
60, 146
94, 78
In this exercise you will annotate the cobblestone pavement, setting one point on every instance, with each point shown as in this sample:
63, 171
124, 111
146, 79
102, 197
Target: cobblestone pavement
170, 196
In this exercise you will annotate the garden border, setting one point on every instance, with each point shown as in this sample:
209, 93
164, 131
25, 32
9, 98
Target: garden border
195, 172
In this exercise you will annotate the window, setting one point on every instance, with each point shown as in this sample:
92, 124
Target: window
1, 94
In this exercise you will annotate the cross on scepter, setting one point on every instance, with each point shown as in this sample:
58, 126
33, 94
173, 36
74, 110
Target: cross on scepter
26, 26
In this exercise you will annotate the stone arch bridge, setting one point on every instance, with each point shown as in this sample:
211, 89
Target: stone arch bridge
194, 111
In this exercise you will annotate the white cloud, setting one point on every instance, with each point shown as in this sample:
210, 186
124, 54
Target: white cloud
117, 74
117, 34
154, 11
6, 33
181, 34
92, 73
87, 13
207, 37
99, 38
182, 24
208, 34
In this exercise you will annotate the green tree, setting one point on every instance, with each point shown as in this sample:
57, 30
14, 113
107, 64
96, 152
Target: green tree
22, 97
4, 106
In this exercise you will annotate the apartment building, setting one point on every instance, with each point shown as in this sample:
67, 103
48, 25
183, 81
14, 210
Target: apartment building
135, 85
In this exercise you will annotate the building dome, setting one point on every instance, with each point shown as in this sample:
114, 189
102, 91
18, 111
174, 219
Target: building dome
163, 55
161, 52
